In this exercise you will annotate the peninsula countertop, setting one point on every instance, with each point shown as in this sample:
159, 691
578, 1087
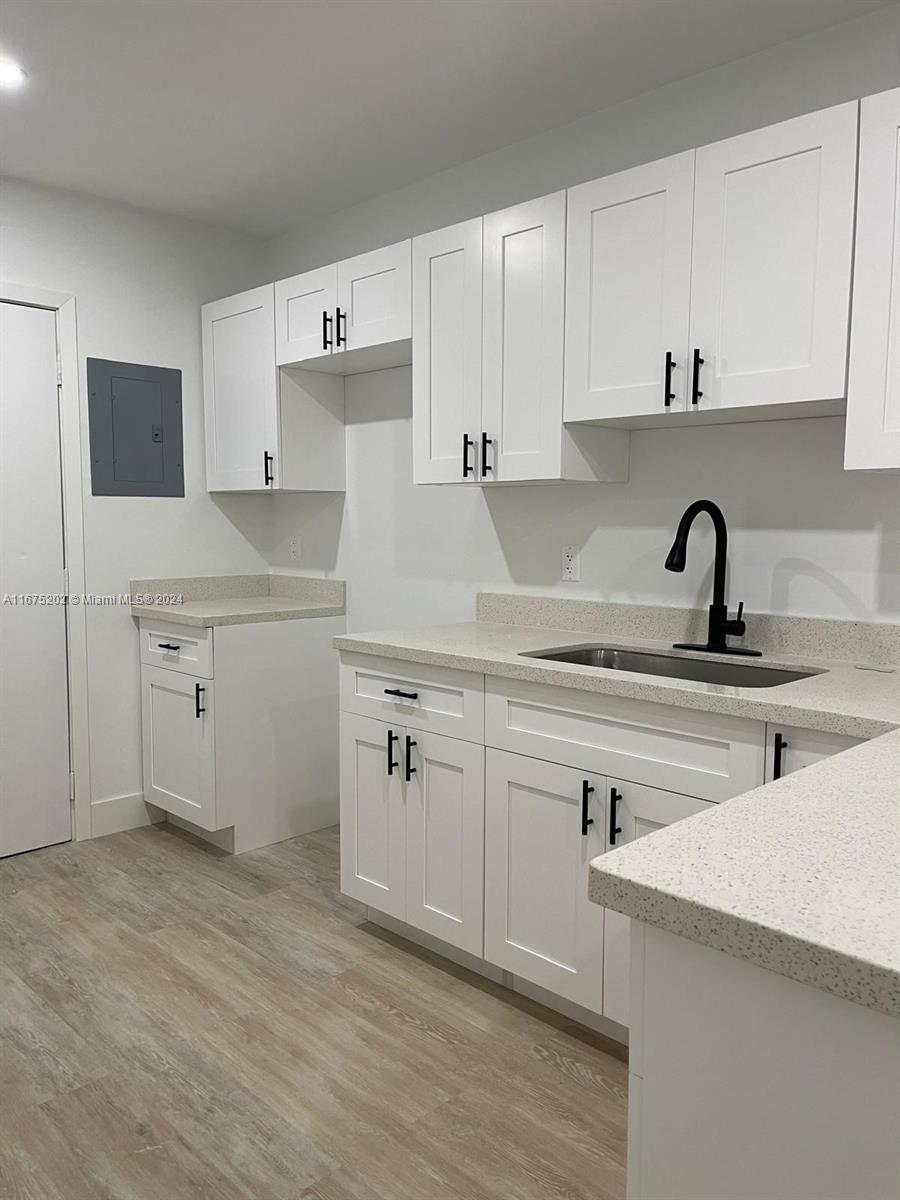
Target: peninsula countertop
208, 600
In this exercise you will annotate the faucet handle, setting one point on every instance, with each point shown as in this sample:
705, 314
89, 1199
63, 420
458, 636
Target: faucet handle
736, 626
740, 611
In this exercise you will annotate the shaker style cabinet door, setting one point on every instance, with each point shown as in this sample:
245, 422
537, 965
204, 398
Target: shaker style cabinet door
240, 391
628, 278
179, 744
873, 395
305, 315
373, 826
772, 256
373, 298
538, 920
523, 324
446, 371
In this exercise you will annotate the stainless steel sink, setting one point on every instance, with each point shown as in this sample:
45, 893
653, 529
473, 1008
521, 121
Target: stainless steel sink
731, 674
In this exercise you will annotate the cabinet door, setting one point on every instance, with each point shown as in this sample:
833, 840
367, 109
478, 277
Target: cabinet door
373, 826
374, 298
638, 810
538, 921
773, 242
177, 715
445, 838
305, 315
789, 749
523, 324
873, 396
446, 331
240, 390
628, 279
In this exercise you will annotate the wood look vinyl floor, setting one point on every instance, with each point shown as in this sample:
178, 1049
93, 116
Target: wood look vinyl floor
176, 1023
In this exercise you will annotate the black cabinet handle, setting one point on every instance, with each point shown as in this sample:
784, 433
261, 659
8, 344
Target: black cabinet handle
327, 341
403, 695
614, 798
485, 442
586, 791
167, 646
341, 339
392, 737
778, 756
668, 394
695, 385
198, 691
467, 444
268, 475
410, 769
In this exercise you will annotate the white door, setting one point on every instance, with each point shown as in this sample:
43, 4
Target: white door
305, 315
638, 810
790, 749
446, 371
34, 714
523, 331
873, 395
240, 390
374, 298
373, 824
773, 246
179, 744
445, 838
628, 279
538, 921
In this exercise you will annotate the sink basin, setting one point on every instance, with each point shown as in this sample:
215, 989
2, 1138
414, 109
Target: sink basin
731, 674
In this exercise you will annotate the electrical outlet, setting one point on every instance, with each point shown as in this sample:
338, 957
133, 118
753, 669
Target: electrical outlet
295, 549
571, 564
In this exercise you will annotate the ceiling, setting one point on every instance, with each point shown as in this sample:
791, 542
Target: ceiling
262, 114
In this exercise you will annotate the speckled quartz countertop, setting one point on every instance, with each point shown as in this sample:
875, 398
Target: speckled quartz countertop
237, 599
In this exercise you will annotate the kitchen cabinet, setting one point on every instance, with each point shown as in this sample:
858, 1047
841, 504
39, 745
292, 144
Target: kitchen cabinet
543, 825
348, 317
179, 744
634, 810
266, 429
873, 395
628, 279
790, 749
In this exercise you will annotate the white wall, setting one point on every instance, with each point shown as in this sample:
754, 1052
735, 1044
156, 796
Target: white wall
139, 280
807, 537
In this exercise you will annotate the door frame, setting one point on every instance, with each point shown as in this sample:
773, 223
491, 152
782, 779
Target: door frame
71, 439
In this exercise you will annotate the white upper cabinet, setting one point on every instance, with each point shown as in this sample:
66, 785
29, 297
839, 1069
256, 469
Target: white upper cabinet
628, 277
304, 315
772, 257
240, 386
374, 298
446, 370
873, 397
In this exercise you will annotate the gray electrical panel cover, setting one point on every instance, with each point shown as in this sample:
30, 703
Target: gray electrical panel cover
135, 423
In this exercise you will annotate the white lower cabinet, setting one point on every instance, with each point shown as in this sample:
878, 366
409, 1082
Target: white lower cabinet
789, 749
543, 825
179, 744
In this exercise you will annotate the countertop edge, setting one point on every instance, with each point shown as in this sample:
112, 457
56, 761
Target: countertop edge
251, 617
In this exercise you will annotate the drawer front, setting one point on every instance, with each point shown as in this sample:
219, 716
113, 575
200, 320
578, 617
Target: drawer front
695, 753
435, 698
179, 647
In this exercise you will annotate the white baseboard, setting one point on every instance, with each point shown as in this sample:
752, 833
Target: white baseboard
223, 839
119, 813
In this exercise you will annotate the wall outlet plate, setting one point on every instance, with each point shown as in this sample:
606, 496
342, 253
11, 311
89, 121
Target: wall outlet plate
295, 548
571, 564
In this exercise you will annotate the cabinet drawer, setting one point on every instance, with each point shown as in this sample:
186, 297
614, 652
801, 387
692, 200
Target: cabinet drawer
179, 647
437, 698
696, 753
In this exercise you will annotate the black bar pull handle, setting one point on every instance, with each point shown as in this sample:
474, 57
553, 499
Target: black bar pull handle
410, 769
468, 443
327, 340
392, 737
668, 394
614, 798
485, 466
403, 695
586, 791
167, 646
198, 692
341, 338
778, 756
268, 474
695, 384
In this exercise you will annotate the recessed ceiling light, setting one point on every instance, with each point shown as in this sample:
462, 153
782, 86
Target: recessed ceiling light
11, 74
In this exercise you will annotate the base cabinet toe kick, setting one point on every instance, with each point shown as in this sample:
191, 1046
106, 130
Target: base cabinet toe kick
472, 806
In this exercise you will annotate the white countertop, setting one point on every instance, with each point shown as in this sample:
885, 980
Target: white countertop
241, 610
204, 600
